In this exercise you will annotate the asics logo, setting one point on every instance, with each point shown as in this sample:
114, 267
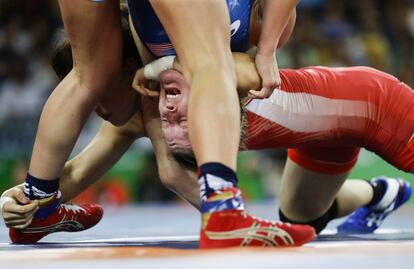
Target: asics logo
266, 235
376, 219
65, 225
233, 4
234, 27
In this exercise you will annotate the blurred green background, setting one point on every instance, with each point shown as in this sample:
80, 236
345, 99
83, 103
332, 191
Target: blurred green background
134, 178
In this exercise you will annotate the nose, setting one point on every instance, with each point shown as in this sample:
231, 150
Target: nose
171, 108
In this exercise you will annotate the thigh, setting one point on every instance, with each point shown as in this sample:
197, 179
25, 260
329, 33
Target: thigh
199, 30
94, 31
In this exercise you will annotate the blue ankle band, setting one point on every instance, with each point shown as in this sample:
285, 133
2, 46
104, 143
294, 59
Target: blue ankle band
36, 188
219, 170
44, 211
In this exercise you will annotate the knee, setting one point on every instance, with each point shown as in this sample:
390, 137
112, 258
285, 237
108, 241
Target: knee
217, 62
98, 83
221, 67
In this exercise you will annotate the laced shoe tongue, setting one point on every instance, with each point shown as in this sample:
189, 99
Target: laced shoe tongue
74, 208
392, 189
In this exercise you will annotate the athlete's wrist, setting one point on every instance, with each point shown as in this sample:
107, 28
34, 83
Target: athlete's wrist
153, 70
266, 50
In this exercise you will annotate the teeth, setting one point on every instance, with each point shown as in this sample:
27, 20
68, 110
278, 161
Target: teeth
172, 96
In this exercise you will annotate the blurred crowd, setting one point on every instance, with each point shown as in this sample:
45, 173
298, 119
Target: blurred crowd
377, 33
26, 79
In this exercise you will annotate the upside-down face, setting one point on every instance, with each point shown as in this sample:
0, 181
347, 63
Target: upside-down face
173, 105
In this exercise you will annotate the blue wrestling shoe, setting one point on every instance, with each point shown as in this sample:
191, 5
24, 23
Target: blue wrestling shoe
367, 219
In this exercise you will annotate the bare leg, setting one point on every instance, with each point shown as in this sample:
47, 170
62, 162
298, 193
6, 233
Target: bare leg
307, 195
94, 32
352, 195
200, 31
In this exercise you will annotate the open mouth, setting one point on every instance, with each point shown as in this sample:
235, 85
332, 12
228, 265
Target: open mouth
172, 93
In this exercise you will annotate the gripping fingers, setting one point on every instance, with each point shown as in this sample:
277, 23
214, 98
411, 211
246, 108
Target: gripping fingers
261, 94
145, 92
4, 200
20, 223
19, 216
140, 84
15, 214
21, 209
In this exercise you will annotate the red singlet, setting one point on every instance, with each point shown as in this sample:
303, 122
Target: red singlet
324, 115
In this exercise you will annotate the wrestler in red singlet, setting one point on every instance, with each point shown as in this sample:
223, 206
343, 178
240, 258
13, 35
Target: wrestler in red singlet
324, 115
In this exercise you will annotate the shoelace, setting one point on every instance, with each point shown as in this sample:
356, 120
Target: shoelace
74, 208
246, 215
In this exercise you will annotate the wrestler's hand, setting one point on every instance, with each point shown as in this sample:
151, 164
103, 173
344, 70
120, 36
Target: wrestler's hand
143, 85
269, 72
145, 78
18, 212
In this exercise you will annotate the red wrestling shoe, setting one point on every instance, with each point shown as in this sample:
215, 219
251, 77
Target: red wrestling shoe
66, 218
236, 228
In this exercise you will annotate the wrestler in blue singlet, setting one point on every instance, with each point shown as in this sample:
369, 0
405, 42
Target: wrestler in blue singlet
152, 33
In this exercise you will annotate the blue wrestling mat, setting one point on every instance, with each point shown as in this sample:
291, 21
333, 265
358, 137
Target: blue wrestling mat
177, 227
191, 242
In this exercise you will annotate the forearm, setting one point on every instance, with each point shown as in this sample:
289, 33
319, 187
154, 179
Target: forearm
287, 32
95, 160
275, 19
248, 77
81, 172
177, 178
181, 180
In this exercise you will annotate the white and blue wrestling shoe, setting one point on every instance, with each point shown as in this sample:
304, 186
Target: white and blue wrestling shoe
367, 219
